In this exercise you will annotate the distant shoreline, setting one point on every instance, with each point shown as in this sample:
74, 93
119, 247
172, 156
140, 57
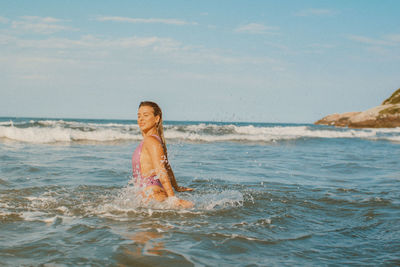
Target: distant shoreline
387, 115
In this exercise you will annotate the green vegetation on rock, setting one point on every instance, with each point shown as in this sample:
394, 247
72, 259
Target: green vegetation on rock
393, 99
391, 111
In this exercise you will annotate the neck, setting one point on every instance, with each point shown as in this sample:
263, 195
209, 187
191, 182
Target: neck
152, 131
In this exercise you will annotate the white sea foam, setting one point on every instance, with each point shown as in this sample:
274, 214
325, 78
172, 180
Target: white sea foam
224, 199
59, 134
264, 134
6, 123
52, 131
38, 216
394, 139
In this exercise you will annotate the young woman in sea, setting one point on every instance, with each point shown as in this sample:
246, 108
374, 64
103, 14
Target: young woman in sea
151, 169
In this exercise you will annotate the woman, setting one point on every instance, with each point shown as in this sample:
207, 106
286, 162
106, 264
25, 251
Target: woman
150, 165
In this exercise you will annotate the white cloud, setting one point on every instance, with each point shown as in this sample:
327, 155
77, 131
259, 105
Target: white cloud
378, 50
99, 52
393, 38
3, 20
315, 12
40, 25
90, 41
149, 20
41, 19
387, 45
6, 39
256, 28
388, 41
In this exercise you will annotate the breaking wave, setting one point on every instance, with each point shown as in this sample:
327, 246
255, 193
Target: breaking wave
54, 131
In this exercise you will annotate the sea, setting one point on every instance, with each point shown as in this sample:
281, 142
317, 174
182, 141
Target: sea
265, 194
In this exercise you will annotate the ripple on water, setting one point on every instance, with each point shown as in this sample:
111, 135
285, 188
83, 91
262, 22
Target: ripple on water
226, 221
4, 183
349, 168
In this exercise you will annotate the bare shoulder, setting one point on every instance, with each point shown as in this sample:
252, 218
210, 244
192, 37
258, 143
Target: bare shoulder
151, 142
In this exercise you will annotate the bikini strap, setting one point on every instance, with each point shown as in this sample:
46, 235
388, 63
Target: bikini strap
156, 136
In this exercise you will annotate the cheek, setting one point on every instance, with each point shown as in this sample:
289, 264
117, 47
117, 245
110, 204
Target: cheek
148, 120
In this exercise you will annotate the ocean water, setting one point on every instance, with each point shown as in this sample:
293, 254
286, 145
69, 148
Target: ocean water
265, 195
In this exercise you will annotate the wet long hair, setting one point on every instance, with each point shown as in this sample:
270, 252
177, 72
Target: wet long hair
160, 128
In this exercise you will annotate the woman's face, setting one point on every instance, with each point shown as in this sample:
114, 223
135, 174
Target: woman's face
146, 119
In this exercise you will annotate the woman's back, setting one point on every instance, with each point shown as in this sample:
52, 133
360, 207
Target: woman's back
147, 163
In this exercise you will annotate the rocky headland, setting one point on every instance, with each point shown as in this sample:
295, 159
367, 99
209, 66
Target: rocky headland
387, 115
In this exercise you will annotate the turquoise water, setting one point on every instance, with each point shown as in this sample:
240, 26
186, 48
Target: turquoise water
265, 195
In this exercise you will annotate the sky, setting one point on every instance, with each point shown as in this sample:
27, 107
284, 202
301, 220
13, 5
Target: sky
255, 61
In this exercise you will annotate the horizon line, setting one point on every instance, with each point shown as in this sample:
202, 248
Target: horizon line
173, 120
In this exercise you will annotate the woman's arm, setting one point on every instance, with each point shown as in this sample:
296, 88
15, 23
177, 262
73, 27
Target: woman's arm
159, 164
173, 180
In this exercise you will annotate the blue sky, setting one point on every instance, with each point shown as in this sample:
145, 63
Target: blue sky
265, 61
